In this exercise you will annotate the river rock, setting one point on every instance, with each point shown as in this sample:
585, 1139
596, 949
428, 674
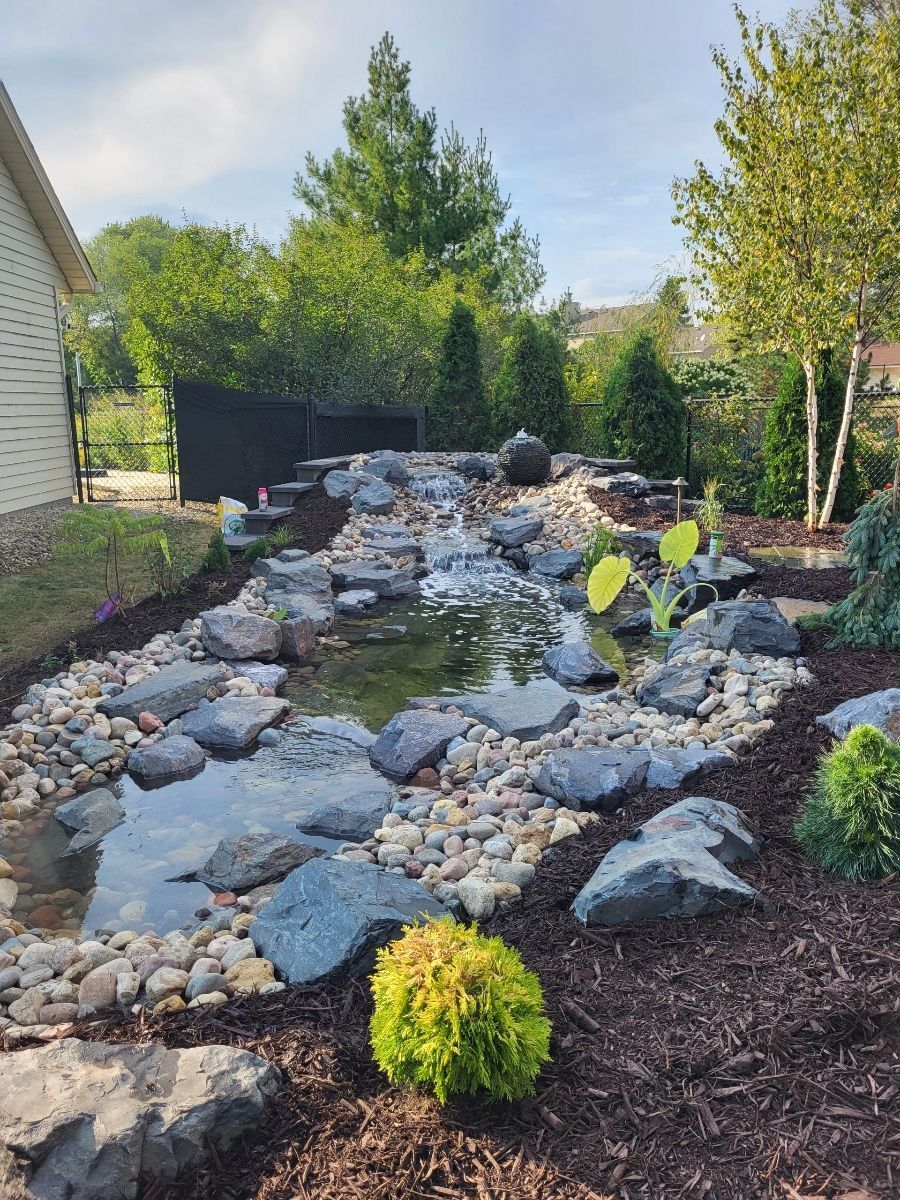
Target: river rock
90, 815
232, 632
594, 777
388, 582
572, 598
515, 531
263, 674
675, 688
172, 757
375, 498
389, 465
881, 709
234, 721
752, 627
475, 466
93, 750
414, 739
672, 866
167, 694
85, 1120
524, 712
353, 818
329, 916
577, 664
243, 862
557, 564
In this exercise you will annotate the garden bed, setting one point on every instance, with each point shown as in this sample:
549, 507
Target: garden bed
749, 1055
314, 523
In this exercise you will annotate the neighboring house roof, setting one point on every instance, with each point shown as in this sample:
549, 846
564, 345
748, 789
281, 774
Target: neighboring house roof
694, 341
35, 188
883, 355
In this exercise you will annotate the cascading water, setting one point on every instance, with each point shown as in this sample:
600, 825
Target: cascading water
438, 487
449, 548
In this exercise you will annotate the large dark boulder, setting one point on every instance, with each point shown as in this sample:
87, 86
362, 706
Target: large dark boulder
232, 632
577, 664
752, 627
524, 460
343, 485
881, 709
167, 694
675, 688
564, 465
557, 564
727, 575
286, 575
168, 759
475, 466
233, 722
524, 712
414, 739
89, 816
327, 919
390, 466
594, 777
240, 863
515, 531
376, 498
352, 818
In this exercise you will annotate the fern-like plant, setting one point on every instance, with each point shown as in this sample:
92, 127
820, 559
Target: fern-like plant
851, 822
115, 535
457, 1012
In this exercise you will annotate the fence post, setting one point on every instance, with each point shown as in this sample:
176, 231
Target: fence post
73, 429
690, 438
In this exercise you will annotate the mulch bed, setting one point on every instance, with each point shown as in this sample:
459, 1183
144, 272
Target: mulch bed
314, 523
742, 532
753, 1054
803, 583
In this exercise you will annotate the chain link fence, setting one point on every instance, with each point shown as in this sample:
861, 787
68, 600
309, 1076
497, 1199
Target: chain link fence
585, 438
126, 445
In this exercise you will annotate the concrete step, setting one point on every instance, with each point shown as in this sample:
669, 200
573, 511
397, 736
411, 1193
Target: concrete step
258, 521
284, 494
314, 468
613, 466
239, 541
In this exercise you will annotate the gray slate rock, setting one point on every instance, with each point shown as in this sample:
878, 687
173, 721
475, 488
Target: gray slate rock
881, 709
173, 756
564, 465
673, 865
557, 564
387, 582
515, 531
690, 638
625, 483
375, 498
675, 688
331, 727
572, 598
474, 466
524, 712
577, 664
232, 632
342, 485
167, 694
390, 467
329, 917
414, 739
234, 721
640, 623
264, 674
92, 750
305, 576
90, 815
240, 863
354, 603
683, 766
594, 777
727, 575
353, 818
298, 606
752, 627
84, 1120
395, 547
641, 542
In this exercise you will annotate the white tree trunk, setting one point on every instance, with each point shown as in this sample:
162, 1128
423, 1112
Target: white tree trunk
844, 431
812, 426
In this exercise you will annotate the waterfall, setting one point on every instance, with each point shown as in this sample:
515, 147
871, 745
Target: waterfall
438, 488
469, 559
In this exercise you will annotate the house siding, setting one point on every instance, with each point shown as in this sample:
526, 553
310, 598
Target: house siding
35, 442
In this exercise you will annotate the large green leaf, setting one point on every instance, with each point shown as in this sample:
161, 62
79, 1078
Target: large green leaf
606, 581
679, 544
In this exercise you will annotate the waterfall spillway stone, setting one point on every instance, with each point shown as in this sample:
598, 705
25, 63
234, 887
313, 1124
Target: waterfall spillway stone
438, 488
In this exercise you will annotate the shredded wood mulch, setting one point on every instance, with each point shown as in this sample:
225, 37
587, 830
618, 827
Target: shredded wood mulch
751, 1054
316, 520
742, 531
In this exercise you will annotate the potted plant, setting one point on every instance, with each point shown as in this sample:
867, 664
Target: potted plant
677, 548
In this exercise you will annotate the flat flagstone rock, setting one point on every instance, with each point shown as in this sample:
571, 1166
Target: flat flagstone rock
594, 777
305, 576
389, 582
881, 709
727, 575
353, 818
328, 918
414, 739
232, 632
172, 757
557, 564
515, 531
674, 865
298, 605
524, 712
354, 603
395, 547
675, 688
792, 609
641, 542
263, 674
332, 727
752, 627
234, 721
90, 816
240, 863
577, 664
377, 498
167, 694
94, 1121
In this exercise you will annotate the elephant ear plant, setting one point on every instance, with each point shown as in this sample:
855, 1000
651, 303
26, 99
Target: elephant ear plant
677, 547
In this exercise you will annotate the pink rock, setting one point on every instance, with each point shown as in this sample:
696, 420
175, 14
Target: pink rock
413, 868
148, 722
453, 845
360, 856
453, 869
266, 691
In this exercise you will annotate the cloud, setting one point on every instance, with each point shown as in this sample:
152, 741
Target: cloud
184, 123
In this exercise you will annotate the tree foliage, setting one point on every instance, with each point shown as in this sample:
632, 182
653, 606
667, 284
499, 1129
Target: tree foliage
530, 391
419, 191
459, 416
781, 492
643, 415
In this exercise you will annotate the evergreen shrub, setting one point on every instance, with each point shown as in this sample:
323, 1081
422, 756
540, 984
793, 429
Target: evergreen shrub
530, 391
458, 1012
459, 416
216, 557
851, 822
258, 548
643, 415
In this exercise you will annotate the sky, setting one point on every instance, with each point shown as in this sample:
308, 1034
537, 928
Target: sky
206, 109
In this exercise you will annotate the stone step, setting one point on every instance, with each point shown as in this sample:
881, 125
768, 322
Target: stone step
258, 520
238, 541
314, 468
281, 494
614, 466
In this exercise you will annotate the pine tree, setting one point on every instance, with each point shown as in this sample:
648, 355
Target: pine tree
782, 491
643, 415
530, 391
458, 417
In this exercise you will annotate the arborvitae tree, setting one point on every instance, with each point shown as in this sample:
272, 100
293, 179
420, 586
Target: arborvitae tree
530, 391
459, 417
782, 491
643, 415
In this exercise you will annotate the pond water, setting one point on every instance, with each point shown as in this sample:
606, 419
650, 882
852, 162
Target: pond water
477, 625
800, 557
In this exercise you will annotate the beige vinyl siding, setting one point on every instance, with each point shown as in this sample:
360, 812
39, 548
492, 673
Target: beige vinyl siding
35, 442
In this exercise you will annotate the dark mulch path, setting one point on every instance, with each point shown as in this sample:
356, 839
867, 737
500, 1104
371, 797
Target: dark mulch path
755, 1054
314, 523
742, 532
